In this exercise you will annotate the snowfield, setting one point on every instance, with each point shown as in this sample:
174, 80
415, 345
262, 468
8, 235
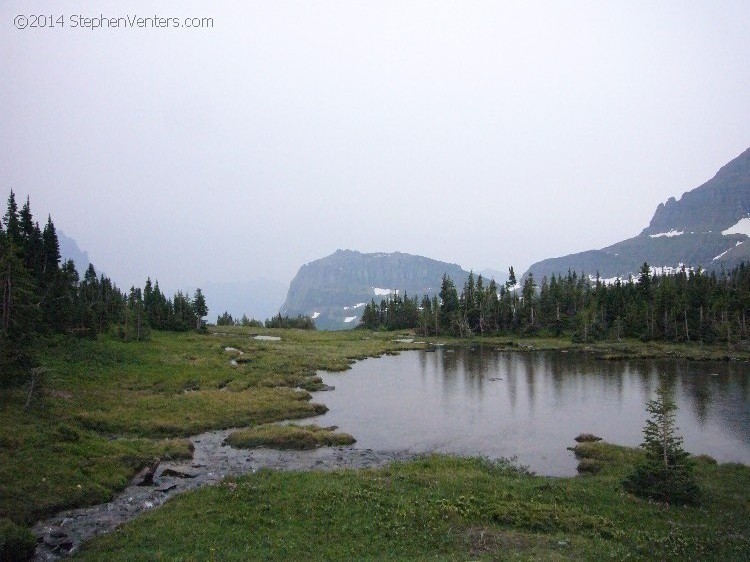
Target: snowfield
742, 227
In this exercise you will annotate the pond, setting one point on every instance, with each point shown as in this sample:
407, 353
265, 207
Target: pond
532, 405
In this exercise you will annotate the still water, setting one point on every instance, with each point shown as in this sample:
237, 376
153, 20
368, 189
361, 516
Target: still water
531, 405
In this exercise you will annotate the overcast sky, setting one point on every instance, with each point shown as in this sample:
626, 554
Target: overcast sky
486, 134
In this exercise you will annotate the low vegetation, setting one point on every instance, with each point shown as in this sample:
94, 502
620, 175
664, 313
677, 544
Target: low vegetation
106, 408
289, 436
445, 508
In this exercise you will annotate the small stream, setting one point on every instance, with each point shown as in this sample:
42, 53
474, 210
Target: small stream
64, 533
212, 461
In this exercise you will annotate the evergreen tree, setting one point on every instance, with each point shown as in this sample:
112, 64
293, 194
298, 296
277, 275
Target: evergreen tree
12, 223
225, 319
135, 326
666, 474
449, 306
32, 246
51, 249
18, 309
199, 308
182, 318
248, 322
529, 300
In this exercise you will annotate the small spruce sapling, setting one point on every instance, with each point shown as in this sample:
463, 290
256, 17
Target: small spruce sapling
666, 473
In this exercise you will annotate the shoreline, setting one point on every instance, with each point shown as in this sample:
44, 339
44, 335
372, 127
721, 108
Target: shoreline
604, 350
63, 534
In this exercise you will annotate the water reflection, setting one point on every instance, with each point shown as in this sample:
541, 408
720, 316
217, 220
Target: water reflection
531, 405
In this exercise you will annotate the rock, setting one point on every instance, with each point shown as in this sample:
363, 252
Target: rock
58, 541
176, 474
146, 476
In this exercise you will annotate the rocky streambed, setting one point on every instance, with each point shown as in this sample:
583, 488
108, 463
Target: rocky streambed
212, 461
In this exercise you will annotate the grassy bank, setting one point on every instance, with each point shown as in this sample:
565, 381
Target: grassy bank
441, 508
107, 408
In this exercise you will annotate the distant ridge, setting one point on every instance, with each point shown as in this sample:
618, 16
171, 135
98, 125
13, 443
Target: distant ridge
257, 299
707, 227
69, 250
335, 289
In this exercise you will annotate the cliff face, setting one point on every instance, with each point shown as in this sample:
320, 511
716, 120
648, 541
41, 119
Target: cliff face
706, 227
714, 206
335, 289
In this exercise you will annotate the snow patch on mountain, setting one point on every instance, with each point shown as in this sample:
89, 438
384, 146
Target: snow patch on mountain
606, 280
384, 292
350, 319
721, 255
669, 234
742, 227
668, 269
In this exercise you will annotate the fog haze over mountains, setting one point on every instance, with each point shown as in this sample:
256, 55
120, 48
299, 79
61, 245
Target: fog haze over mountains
483, 134
708, 227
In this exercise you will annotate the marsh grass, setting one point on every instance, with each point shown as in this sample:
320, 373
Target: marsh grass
437, 508
288, 436
108, 408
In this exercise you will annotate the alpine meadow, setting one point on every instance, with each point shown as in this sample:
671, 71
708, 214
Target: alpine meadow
374, 281
99, 385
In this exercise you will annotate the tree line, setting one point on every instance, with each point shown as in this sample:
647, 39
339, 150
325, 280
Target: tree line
687, 306
43, 295
301, 322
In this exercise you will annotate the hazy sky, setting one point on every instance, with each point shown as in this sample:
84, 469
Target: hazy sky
486, 134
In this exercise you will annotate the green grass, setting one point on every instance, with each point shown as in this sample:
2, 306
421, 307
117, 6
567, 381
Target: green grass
289, 436
439, 508
108, 408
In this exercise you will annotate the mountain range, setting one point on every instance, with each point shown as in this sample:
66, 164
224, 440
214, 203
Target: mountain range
334, 290
707, 227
